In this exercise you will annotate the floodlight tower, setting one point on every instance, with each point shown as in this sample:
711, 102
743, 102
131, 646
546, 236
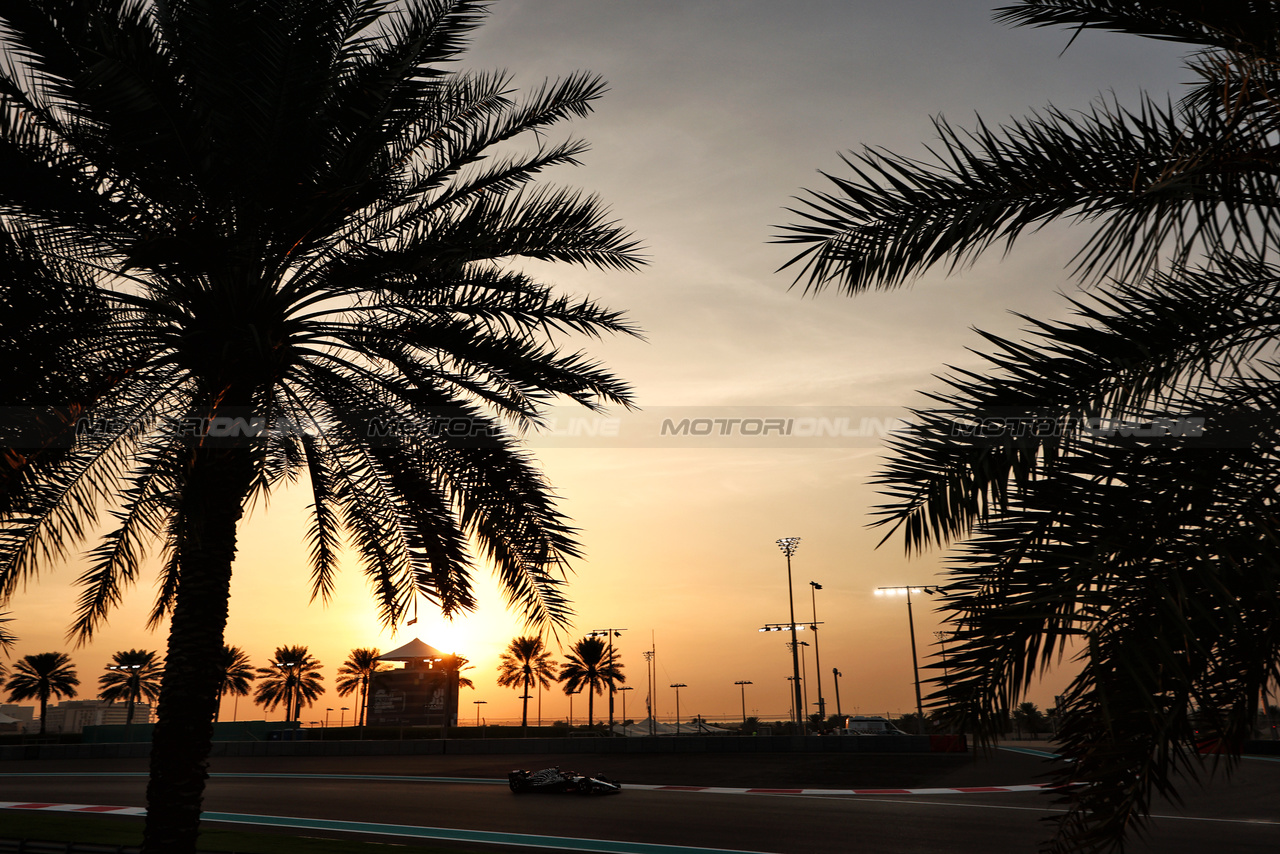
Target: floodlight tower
789, 546
911, 625
743, 683
610, 634
817, 657
678, 686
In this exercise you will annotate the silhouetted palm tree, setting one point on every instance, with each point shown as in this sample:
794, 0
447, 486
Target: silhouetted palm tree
296, 242
354, 676
457, 664
1028, 719
1112, 478
525, 663
237, 673
591, 665
132, 676
293, 678
41, 676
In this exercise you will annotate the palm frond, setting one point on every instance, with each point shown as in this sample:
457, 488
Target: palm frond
149, 502
1132, 361
1237, 25
1155, 182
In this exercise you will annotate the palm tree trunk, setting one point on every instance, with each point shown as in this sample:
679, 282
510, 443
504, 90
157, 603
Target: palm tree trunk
44, 713
218, 479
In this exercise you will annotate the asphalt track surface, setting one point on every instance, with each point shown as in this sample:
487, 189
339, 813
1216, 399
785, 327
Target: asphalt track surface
464, 798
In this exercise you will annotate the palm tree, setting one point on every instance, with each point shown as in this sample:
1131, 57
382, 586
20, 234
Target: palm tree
237, 672
1028, 719
132, 676
41, 676
293, 678
354, 676
1110, 480
295, 245
457, 664
590, 664
525, 663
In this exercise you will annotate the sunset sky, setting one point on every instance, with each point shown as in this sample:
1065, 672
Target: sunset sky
719, 112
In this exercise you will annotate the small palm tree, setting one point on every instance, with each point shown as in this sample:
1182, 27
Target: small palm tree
132, 675
354, 676
292, 678
237, 673
1029, 719
592, 665
41, 676
525, 663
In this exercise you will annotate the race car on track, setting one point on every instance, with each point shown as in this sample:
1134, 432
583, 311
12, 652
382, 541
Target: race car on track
556, 781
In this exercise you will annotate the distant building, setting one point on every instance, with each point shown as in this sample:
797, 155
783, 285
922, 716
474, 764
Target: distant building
23, 718
422, 693
75, 715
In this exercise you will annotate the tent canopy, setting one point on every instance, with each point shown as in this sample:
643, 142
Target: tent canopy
414, 650
642, 728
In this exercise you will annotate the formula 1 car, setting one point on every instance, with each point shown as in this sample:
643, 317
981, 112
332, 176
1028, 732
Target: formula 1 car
556, 781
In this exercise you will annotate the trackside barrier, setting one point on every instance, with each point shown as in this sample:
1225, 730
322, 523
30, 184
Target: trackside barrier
948, 743
482, 746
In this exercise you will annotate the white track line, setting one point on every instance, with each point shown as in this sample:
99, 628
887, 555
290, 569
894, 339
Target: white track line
962, 790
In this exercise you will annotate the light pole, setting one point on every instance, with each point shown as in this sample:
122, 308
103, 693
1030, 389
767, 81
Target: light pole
342, 717
610, 634
678, 686
946, 670
649, 655
624, 707
133, 686
479, 703
743, 685
817, 657
804, 677
911, 624
942, 641
571, 693
789, 546
836, 674
326, 716
793, 628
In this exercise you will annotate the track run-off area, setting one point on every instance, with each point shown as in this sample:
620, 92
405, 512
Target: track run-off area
480, 813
